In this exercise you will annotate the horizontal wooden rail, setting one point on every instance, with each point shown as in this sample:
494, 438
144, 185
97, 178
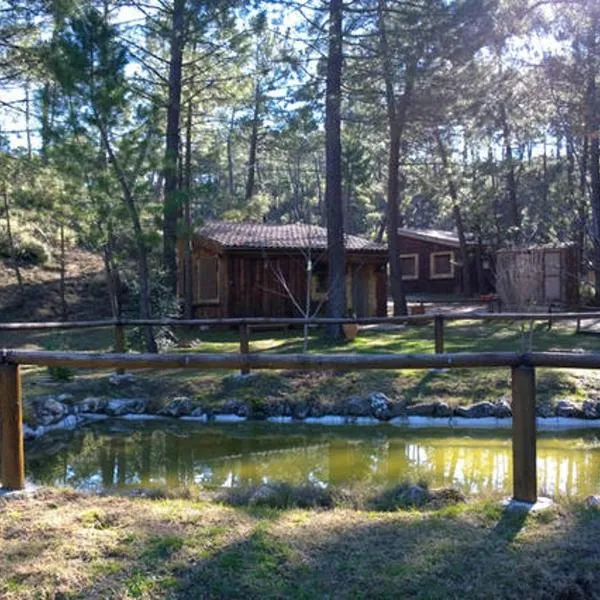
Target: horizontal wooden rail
333, 361
237, 322
90, 360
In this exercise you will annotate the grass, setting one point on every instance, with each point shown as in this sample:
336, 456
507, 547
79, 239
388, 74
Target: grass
190, 548
212, 388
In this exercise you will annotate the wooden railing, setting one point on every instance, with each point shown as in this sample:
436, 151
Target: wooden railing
245, 324
522, 368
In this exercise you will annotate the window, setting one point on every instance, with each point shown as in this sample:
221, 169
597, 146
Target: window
409, 266
441, 265
207, 279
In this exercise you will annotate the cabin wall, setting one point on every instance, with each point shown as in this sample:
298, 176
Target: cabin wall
426, 284
273, 284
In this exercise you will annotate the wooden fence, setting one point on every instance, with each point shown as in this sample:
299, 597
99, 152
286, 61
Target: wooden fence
522, 368
245, 325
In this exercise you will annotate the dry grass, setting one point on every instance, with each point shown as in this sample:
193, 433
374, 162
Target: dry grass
58, 544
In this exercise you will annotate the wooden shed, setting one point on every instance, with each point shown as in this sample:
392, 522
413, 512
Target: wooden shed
260, 270
551, 272
430, 262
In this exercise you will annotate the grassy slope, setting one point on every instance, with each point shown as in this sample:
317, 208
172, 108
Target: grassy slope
455, 387
65, 545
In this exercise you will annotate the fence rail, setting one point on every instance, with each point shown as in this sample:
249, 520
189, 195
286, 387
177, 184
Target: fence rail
245, 324
522, 368
281, 321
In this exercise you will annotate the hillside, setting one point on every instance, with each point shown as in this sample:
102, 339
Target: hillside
85, 290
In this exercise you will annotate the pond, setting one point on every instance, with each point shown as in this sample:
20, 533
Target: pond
158, 453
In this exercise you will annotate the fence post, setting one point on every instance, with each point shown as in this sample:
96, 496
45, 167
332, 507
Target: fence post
11, 412
524, 434
120, 346
245, 345
438, 325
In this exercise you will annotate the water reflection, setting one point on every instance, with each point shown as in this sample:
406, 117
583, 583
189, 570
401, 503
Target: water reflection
123, 454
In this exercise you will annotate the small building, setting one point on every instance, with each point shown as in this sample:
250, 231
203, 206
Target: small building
539, 275
430, 263
260, 270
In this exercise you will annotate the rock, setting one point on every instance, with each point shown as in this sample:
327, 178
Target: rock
476, 411
380, 406
125, 406
93, 404
415, 495
29, 433
593, 502
121, 379
442, 410
65, 398
448, 496
566, 408
49, 411
197, 412
591, 409
182, 406
235, 407
424, 409
502, 409
300, 411
358, 407
545, 410
398, 409
264, 494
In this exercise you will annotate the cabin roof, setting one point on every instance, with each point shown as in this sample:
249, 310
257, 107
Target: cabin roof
439, 236
297, 236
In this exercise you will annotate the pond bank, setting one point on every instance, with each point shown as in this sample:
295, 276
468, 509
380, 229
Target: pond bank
64, 411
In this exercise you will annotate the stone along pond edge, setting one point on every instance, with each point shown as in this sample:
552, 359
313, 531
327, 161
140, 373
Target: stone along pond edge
62, 412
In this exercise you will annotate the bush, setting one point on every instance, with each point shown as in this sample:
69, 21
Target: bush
60, 373
32, 252
280, 495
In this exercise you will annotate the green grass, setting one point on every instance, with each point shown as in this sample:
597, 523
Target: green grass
210, 388
181, 549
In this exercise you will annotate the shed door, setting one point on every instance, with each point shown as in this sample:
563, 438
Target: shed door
552, 276
360, 290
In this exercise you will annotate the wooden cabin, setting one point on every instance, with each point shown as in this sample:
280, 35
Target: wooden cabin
260, 270
430, 263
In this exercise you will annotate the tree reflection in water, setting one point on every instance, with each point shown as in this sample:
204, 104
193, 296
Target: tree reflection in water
177, 454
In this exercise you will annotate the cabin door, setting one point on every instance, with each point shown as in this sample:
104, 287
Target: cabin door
360, 290
552, 277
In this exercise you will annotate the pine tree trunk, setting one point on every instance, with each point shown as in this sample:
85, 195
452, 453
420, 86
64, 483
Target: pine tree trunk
593, 126
230, 177
145, 306
396, 282
253, 146
396, 112
171, 207
511, 180
336, 301
456, 213
187, 248
63, 265
11, 242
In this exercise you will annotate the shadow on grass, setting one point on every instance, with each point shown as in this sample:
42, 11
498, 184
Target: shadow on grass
350, 556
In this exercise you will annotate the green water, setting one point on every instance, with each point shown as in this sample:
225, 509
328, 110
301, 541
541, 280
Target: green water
128, 454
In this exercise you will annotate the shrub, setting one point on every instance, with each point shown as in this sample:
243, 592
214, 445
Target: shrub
280, 495
32, 252
60, 373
